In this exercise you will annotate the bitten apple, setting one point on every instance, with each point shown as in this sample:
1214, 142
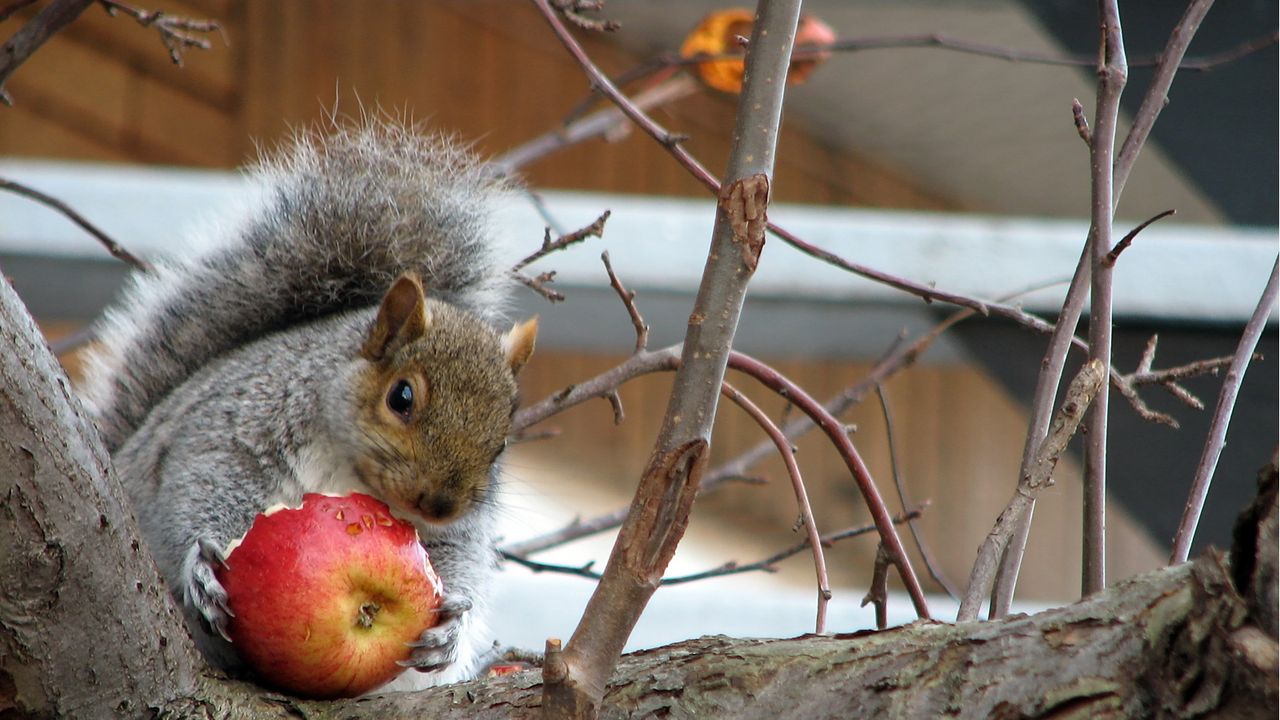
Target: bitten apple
327, 595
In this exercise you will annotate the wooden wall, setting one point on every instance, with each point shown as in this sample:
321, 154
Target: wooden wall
489, 70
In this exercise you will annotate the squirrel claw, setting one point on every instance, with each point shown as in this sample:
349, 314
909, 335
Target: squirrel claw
452, 607
202, 593
437, 647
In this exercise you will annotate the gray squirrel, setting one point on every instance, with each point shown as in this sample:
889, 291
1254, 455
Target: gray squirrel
338, 337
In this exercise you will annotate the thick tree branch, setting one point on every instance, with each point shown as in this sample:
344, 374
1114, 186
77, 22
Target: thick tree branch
20, 46
79, 594
668, 486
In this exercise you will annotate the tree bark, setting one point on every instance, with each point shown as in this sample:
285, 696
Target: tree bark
87, 631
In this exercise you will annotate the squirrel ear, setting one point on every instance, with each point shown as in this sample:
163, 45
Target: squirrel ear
517, 344
402, 318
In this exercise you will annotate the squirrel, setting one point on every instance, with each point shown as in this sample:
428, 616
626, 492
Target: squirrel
337, 337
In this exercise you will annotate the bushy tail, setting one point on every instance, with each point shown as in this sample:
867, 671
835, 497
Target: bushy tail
340, 216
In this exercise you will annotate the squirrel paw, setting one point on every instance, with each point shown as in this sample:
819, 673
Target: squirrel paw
438, 645
202, 592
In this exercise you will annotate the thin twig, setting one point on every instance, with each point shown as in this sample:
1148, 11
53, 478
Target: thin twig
73, 341
615, 402
968, 47
116, 249
1127, 240
538, 284
890, 436
176, 32
1148, 357
878, 591
1221, 418
898, 358
1210, 366
835, 432
595, 229
628, 298
528, 437
1079, 395
602, 123
802, 496
768, 564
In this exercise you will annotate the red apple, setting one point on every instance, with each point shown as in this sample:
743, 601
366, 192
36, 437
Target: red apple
325, 596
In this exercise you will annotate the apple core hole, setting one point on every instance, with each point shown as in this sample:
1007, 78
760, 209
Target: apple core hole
368, 611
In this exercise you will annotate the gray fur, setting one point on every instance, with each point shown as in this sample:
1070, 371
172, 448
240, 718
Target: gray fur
224, 383
342, 216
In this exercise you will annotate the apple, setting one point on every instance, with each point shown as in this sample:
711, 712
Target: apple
327, 595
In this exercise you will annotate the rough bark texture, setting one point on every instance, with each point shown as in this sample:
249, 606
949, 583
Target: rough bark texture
86, 632
85, 625
1175, 643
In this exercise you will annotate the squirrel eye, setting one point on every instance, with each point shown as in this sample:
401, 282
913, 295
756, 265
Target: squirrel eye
400, 399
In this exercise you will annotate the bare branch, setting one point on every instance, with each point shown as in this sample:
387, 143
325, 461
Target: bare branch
969, 47
1221, 418
890, 435
667, 488
768, 564
1211, 366
1148, 355
1079, 395
1157, 95
898, 358
615, 401
539, 284
1051, 367
1128, 238
116, 249
46, 23
604, 123
595, 229
176, 32
835, 432
628, 298
1113, 74
802, 496
878, 592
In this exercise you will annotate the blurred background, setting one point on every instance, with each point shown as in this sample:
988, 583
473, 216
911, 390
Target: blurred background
957, 169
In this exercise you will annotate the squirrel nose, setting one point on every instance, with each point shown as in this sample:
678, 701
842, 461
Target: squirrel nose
437, 506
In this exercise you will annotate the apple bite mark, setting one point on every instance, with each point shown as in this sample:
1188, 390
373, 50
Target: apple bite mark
327, 596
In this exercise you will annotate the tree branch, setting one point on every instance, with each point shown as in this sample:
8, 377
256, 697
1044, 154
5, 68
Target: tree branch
116, 249
802, 496
1113, 74
1221, 418
667, 488
20, 46
1063, 336
1083, 390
